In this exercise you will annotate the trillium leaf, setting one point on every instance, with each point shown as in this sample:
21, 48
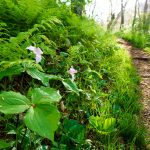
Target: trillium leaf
36, 74
41, 76
71, 86
54, 77
13, 103
4, 144
43, 119
45, 94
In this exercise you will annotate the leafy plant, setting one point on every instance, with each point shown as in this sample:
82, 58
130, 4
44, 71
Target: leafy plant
4, 144
91, 118
74, 131
102, 124
41, 116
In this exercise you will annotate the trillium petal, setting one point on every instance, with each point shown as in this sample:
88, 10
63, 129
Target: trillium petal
31, 48
38, 58
38, 51
72, 71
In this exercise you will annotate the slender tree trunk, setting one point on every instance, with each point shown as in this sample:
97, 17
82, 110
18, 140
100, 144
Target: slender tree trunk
112, 16
139, 14
122, 15
118, 17
111, 8
146, 6
145, 17
94, 8
135, 14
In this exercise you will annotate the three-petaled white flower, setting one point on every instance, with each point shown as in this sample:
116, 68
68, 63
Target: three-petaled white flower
72, 72
37, 51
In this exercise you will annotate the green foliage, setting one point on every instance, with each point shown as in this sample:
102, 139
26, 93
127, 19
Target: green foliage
44, 94
43, 119
70, 132
17, 67
89, 118
147, 49
23, 14
102, 124
137, 38
40, 109
13, 103
71, 86
4, 145
139, 34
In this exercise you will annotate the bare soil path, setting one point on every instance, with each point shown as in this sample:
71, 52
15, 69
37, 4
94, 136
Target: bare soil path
141, 61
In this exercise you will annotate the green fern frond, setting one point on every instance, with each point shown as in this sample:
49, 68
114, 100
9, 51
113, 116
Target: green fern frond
54, 20
8, 68
4, 33
46, 39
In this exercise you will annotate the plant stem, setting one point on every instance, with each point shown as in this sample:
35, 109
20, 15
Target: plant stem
24, 135
17, 121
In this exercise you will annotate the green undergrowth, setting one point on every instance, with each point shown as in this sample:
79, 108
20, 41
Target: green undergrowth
147, 49
139, 39
43, 106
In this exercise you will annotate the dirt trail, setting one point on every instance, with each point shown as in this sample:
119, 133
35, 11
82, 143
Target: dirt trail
141, 60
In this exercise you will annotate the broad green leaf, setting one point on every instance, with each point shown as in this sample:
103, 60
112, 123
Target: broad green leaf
13, 103
109, 124
71, 86
102, 124
43, 77
45, 94
54, 77
4, 144
36, 74
43, 119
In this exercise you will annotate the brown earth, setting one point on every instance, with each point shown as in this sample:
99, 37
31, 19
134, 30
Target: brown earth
141, 61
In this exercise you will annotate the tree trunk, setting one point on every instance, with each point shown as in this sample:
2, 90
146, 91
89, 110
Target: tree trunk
117, 17
94, 8
135, 14
122, 15
111, 8
145, 17
112, 16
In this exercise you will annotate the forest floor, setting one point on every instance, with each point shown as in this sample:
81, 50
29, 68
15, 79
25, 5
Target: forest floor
141, 61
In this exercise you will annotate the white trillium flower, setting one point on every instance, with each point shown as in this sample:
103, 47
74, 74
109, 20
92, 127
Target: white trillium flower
37, 51
72, 72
